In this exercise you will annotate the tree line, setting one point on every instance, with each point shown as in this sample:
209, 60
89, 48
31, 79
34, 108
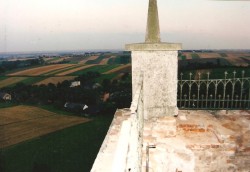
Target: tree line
89, 93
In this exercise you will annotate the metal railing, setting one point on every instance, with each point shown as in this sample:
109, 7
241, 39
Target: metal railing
226, 93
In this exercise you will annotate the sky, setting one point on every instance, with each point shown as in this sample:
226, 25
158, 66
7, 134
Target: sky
55, 25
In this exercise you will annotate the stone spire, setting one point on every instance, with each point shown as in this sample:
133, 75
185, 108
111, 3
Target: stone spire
153, 28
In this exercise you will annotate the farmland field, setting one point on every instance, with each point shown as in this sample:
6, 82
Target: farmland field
55, 80
3, 77
70, 149
53, 72
88, 58
40, 70
57, 60
209, 55
74, 70
117, 69
10, 81
21, 123
96, 68
236, 61
105, 61
97, 60
195, 56
188, 55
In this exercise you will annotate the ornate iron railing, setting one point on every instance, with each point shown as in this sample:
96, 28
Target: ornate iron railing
226, 93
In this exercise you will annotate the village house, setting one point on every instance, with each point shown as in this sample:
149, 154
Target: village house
5, 96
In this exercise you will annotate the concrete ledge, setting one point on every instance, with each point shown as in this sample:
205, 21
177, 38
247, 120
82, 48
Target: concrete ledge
153, 47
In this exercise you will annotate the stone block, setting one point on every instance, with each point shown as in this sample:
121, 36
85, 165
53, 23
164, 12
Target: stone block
159, 99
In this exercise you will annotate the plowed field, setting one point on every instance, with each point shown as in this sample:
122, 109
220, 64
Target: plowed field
55, 80
10, 81
40, 70
90, 58
73, 70
118, 69
21, 123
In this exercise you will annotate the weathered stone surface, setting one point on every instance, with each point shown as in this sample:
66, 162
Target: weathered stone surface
159, 81
153, 47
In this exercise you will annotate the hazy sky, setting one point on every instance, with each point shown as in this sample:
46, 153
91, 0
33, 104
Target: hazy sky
37, 25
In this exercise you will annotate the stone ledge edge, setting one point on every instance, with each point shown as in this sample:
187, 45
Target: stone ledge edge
153, 47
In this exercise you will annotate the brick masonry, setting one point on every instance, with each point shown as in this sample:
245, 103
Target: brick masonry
204, 141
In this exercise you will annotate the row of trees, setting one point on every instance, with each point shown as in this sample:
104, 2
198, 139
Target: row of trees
58, 95
10, 65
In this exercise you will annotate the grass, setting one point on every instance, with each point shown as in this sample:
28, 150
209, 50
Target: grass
105, 76
41, 70
22, 69
55, 80
223, 54
7, 104
56, 110
54, 72
71, 149
98, 68
195, 56
53, 59
11, 81
183, 57
96, 61
32, 80
3, 77
123, 59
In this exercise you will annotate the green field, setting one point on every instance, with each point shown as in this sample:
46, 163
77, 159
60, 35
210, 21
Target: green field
121, 59
98, 60
183, 57
72, 149
32, 80
54, 72
223, 54
195, 56
3, 77
98, 68
53, 59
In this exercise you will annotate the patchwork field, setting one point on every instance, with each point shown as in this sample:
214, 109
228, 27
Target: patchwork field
74, 70
40, 70
21, 123
89, 58
97, 68
118, 69
54, 72
236, 61
209, 55
188, 55
10, 81
55, 80
58, 60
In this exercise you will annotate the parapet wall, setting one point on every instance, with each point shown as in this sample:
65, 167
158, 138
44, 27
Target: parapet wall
122, 147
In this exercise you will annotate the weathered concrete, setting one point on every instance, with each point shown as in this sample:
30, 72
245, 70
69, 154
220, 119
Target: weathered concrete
107, 153
159, 70
163, 46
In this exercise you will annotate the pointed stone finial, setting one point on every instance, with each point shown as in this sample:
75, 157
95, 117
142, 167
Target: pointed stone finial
153, 28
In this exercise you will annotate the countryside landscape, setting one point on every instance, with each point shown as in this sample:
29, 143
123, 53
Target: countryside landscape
60, 105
